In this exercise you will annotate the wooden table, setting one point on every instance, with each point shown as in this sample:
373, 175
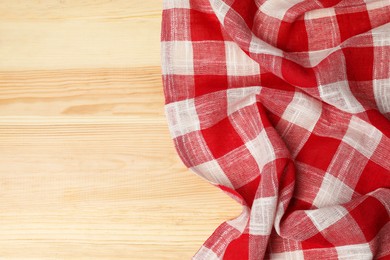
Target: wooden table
87, 167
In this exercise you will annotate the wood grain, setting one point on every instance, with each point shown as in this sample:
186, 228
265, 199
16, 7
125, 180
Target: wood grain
87, 167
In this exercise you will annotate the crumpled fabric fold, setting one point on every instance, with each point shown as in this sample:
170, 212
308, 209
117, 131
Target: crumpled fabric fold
285, 106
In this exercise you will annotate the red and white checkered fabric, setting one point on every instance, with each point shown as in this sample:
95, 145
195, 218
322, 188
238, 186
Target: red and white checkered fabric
285, 106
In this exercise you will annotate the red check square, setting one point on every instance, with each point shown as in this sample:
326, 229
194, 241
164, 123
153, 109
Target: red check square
318, 151
353, 23
373, 177
207, 27
371, 215
359, 63
222, 138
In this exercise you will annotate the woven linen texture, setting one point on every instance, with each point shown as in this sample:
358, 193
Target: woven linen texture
285, 106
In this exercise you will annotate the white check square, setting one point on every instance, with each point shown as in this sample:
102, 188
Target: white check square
212, 172
339, 94
261, 149
332, 192
220, 9
238, 63
182, 117
241, 97
177, 58
325, 217
303, 110
169, 4
278, 9
293, 255
382, 94
358, 252
262, 216
362, 136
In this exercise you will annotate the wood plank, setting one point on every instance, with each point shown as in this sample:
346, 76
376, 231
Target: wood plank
78, 9
67, 44
100, 91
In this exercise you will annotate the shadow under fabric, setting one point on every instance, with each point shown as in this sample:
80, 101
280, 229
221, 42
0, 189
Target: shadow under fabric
285, 106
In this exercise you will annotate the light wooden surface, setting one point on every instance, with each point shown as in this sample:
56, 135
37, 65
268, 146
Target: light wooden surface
87, 167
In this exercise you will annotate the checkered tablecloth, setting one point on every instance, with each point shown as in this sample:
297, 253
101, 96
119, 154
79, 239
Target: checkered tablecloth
285, 106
